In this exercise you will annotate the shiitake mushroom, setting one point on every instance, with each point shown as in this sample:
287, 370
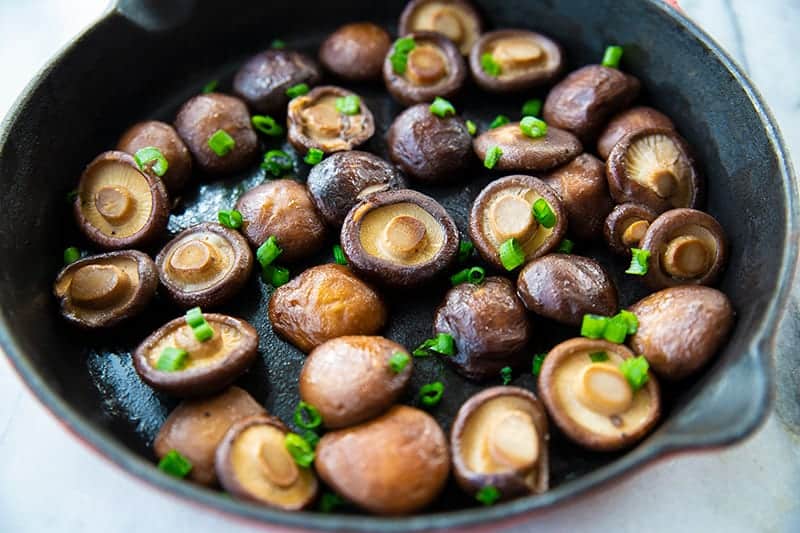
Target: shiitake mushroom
162, 136
522, 153
355, 51
518, 60
458, 20
630, 121
263, 80
626, 226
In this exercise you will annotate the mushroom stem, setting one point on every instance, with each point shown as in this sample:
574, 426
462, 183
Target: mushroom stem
603, 389
663, 182
634, 232
114, 203
403, 236
426, 65
277, 464
323, 119
193, 257
513, 441
517, 52
98, 286
185, 338
686, 256
511, 217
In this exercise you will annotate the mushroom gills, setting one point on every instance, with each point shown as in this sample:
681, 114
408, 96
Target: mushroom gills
95, 288
690, 254
401, 233
116, 199
201, 354
657, 163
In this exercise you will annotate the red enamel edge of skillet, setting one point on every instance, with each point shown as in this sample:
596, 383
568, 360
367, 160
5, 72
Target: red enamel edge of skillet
476, 519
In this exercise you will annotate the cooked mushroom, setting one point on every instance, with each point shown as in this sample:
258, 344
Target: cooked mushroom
591, 400
338, 182
429, 148
399, 238
263, 80
351, 379
584, 100
458, 20
325, 302
503, 211
515, 60
654, 168
196, 427
523, 153
489, 325
209, 365
205, 265
284, 209
686, 247
500, 438
253, 463
153, 133
119, 206
681, 328
565, 287
356, 51
626, 225
582, 186
433, 67
103, 290
394, 464
631, 121
216, 128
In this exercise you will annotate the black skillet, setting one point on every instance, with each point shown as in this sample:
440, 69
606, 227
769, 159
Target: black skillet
144, 57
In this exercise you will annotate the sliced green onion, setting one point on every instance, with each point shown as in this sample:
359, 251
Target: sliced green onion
338, 255
442, 108
631, 319
72, 196
297, 90
299, 448
593, 326
532, 107
492, 157
506, 374
442, 344
639, 259
175, 464
348, 105
465, 249
598, 357
314, 156
275, 275
474, 275
398, 361
268, 252
278, 44
543, 214
499, 120
71, 255
472, 128
277, 162
210, 87
329, 501
565, 246
612, 56
490, 66
399, 58
311, 437
194, 317
221, 143
151, 158
307, 416
267, 125
488, 495
616, 329
431, 394
172, 359
533, 127
536, 366
511, 254
203, 332
635, 371
230, 218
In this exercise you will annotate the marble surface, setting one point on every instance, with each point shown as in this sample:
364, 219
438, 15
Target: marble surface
51, 482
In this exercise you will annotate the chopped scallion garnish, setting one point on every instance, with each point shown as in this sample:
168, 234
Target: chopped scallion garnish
565, 246
307, 416
499, 120
195, 319
329, 501
536, 367
268, 252
472, 128
348, 105
442, 108
488, 495
492, 157
210, 87
490, 66
267, 125
543, 214
631, 319
203, 332
506, 374
398, 361
465, 249
300, 450
639, 260
598, 357
275, 275
277, 162
71, 255
278, 44
593, 326
612, 56
338, 255
172, 359
297, 90
474, 275
175, 464
314, 156
151, 158
221, 143
635, 371
442, 344
533, 127
616, 329
511, 254
431, 394
230, 218
399, 58
532, 108
311, 437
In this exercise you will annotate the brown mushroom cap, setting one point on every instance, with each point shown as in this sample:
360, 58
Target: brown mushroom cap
500, 438
687, 247
263, 80
523, 153
196, 427
586, 98
211, 365
349, 379
489, 325
429, 148
565, 287
103, 290
503, 210
592, 402
165, 138
581, 184
325, 302
205, 265
458, 20
204, 115
356, 51
654, 167
394, 464
253, 464
527, 59
681, 328
631, 121
626, 226
435, 68
284, 209
314, 122
399, 238
340, 181
119, 206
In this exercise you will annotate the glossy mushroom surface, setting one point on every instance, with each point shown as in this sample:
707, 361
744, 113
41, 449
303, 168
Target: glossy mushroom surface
523, 153
626, 225
526, 59
631, 121
355, 51
263, 80
153, 133
119, 206
458, 20
102, 290
399, 238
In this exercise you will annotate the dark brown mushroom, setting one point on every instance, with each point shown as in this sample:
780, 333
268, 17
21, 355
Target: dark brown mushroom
395, 464
350, 379
196, 427
325, 302
489, 325
434, 67
584, 100
565, 287
500, 438
205, 265
284, 209
592, 402
103, 290
399, 238
340, 181
215, 119
631, 121
210, 366
458, 20
253, 464
153, 133
503, 210
523, 59
429, 148
119, 206
681, 328
626, 225
263, 80
522, 153
355, 51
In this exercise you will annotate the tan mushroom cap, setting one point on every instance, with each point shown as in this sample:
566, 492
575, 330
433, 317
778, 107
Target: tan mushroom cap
314, 122
403, 233
457, 21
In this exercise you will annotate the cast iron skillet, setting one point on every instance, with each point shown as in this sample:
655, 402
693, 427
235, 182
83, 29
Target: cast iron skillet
145, 57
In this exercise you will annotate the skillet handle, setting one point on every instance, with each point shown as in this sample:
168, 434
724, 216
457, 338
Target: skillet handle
155, 15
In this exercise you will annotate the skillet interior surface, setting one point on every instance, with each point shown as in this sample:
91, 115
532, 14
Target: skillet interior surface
122, 71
